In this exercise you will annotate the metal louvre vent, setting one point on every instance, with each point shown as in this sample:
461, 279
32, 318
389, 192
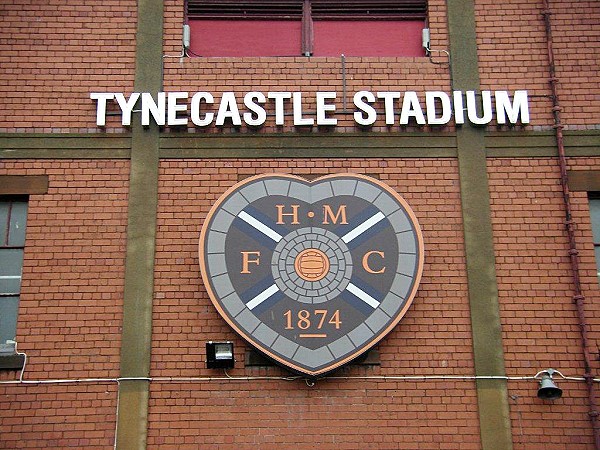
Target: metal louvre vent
379, 10
231, 9
319, 10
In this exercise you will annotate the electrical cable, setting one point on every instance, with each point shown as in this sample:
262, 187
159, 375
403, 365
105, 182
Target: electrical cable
182, 55
228, 377
189, 51
24, 355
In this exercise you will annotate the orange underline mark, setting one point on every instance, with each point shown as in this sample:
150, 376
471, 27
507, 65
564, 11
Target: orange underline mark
313, 335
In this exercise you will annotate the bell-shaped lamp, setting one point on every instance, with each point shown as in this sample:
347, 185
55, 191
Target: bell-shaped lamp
548, 389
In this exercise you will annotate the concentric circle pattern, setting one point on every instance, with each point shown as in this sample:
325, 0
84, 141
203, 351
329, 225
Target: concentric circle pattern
298, 286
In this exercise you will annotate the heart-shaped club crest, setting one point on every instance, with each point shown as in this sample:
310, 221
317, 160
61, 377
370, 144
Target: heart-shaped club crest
312, 274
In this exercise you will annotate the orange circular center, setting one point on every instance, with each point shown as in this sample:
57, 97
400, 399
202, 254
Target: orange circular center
311, 264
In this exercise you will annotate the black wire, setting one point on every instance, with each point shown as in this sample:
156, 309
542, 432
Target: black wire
189, 51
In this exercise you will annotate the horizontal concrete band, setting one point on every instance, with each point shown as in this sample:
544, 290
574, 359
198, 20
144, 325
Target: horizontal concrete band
509, 144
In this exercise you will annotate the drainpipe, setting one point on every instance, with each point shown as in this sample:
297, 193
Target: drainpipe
578, 297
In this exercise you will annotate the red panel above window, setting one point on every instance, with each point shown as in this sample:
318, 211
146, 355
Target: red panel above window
235, 38
235, 28
368, 38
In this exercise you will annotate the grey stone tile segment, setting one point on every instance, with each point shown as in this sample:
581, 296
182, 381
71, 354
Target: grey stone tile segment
401, 285
265, 334
217, 264
285, 347
400, 221
406, 243
367, 191
313, 358
235, 204
277, 187
360, 335
341, 347
247, 321
254, 191
343, 187
377, 320
321, 191
216, 242
222, 221
391, 304
233, 304
386, 204
299, 191
222, 285
407, 264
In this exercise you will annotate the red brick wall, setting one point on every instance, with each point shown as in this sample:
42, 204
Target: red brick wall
560, 424
52, 56
289, 74
54, 53
540, 327
512, 50
587, 260
433, 338
58, 416
577, 51
74, 229
309, 75
332, 414
70, 309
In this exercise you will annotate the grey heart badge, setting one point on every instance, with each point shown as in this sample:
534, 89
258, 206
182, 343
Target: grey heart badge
312, 274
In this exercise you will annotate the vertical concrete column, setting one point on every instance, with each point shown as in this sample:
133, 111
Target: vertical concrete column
492, 395
132, 420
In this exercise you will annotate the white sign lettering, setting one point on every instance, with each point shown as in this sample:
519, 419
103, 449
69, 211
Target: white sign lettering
255, 108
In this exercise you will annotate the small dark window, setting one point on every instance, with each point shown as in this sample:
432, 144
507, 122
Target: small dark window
306, 27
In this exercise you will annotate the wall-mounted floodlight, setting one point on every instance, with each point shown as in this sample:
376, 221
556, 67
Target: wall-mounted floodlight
548, 389
219, 355
186, 38
426, 43
426, 39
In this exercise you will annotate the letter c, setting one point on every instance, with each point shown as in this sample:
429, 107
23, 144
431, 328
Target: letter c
365, 261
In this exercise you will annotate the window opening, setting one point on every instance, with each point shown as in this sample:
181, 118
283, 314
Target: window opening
594, 199
13, 217
306, 27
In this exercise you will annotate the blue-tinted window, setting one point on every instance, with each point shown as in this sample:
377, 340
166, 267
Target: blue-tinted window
13, 217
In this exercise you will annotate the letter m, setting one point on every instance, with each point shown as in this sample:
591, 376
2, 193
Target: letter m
328, 214
519, 106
